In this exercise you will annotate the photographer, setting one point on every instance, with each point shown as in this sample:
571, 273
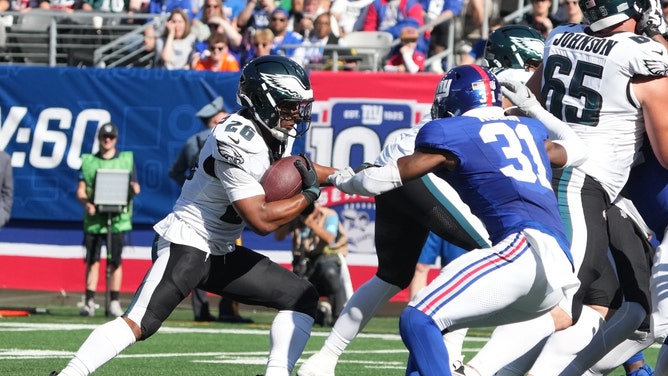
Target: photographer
317, 241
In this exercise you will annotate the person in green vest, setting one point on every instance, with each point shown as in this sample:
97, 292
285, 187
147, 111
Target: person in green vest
95, 223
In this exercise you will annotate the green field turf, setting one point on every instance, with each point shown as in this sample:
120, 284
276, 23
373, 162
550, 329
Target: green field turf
36, 345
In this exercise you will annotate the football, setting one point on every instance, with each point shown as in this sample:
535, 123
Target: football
282, 179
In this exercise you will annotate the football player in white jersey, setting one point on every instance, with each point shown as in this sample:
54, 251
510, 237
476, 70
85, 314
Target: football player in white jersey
608, 82
195, 244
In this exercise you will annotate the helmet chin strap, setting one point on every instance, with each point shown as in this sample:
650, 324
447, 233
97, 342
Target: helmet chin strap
278, 134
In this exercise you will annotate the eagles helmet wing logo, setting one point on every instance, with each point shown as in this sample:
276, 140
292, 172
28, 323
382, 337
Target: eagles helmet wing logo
289, 84
530, 44
657, 67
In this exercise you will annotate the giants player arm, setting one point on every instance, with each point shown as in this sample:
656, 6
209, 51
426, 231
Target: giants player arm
376, 180
651, 92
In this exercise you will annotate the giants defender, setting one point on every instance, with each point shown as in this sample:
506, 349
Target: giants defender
195, 244
608, 82
499, 166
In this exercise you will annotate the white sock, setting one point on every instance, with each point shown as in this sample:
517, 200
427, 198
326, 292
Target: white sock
361, 307
524, 336
615, 357
288, 335
561, 348
102, 345
454, 342
613, 332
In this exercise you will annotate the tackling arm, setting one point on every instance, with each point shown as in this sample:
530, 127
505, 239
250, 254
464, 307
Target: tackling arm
375, 180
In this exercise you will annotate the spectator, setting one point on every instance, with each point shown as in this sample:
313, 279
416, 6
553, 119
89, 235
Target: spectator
317, 239
6, 188
95, 223
190, 7
261, 44
200, 26
296, 12
312, 9
255, 16
348, 14
25, 5
217, 58
437, 37
279, 25
540, 18
113, 6
315, 55
231, 11
222, 26
174, 49
569, 12
393, 15
407, 58
182, 169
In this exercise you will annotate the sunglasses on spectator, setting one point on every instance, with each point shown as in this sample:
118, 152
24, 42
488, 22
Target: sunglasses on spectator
279, 19
104, 136
214, 6
213, 25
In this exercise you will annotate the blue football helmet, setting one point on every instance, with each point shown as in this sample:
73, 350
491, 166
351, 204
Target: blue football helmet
464, 88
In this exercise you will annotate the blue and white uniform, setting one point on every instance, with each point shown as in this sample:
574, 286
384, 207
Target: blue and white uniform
503, 176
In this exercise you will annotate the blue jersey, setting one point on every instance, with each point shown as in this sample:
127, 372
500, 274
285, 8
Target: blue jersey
504, 172
648, 188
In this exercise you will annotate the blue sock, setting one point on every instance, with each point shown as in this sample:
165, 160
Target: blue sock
645, 370
427, 352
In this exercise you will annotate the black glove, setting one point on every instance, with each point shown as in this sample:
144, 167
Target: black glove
310, 186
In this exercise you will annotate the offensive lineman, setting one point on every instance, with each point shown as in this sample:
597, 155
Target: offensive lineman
195, 246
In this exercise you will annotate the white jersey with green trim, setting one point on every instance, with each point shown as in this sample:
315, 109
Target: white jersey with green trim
231, 163
587, 83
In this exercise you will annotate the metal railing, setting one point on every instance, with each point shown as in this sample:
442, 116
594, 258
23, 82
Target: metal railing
57, 38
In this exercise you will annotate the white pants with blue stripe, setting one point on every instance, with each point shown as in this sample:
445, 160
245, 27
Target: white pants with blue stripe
518, 279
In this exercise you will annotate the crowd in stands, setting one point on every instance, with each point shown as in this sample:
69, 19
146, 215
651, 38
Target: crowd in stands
219, 35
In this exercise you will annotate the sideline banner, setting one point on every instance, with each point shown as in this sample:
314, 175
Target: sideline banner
49, 117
